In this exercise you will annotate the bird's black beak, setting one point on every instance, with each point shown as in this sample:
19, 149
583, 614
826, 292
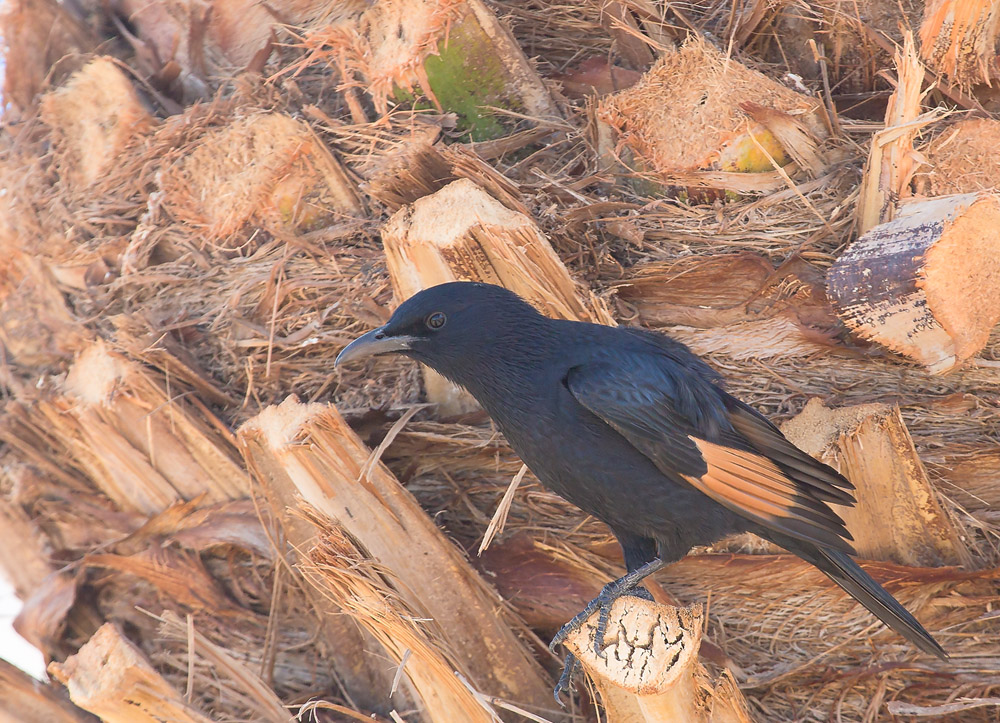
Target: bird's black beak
375, 342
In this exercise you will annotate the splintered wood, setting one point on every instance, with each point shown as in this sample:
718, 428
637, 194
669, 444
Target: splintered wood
898, 516
891, 160
310, 446
925, 284
111, 678
698, 118
649, 672
142, 448
958, 38
461, 233
736, 304
267, 167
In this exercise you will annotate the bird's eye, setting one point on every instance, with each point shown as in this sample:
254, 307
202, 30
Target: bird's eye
435, 320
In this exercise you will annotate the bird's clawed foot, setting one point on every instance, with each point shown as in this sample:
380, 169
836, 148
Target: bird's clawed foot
602, 603
565, 682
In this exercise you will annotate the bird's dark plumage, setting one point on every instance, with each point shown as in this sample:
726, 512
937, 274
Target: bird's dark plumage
636, 430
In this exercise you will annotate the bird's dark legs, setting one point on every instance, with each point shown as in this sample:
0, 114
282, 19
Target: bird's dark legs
625, 585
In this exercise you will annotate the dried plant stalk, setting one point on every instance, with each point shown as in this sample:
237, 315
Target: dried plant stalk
312, 446
650, 671
461, 233
898, 516
111, 678
924, 285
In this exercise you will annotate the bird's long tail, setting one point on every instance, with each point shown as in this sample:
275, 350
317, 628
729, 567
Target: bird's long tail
848, 574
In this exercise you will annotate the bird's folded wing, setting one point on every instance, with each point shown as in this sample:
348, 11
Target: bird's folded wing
680, 422
823, 481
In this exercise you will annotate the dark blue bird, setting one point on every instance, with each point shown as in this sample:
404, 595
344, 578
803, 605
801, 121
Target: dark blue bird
637, 431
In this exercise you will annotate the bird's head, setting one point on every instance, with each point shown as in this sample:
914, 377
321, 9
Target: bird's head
446, 325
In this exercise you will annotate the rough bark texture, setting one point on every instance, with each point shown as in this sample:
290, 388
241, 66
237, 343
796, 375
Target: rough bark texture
924, 285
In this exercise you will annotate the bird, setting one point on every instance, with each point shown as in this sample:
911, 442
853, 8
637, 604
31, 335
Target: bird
636, 430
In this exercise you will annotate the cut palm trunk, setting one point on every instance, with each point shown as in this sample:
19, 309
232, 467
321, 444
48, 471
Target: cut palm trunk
269, 168
111, 678
311, 447
340, 570
700, 119
461, 233
898, 516
355, 654
453, 52
94, 118
40, 37
649, 671
924, 285
962, 158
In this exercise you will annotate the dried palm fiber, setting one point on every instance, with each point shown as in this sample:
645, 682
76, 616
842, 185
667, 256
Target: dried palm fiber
454, 52
869, 444
141, 447
94, 117
337, 474
271, 321
720, 140
44, 42
201, 42
416, 164
341, 571
924, 284
960, 158
267, 167
461, 233
959, 40
110, 678
22, 698
735, 303
853, 38
214, 562
804, 644
651, 672
891, 160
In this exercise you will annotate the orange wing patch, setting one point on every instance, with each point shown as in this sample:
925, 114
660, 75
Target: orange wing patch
752, 485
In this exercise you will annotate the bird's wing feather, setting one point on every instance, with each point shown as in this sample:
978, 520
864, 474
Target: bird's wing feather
679, 421
823, 481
